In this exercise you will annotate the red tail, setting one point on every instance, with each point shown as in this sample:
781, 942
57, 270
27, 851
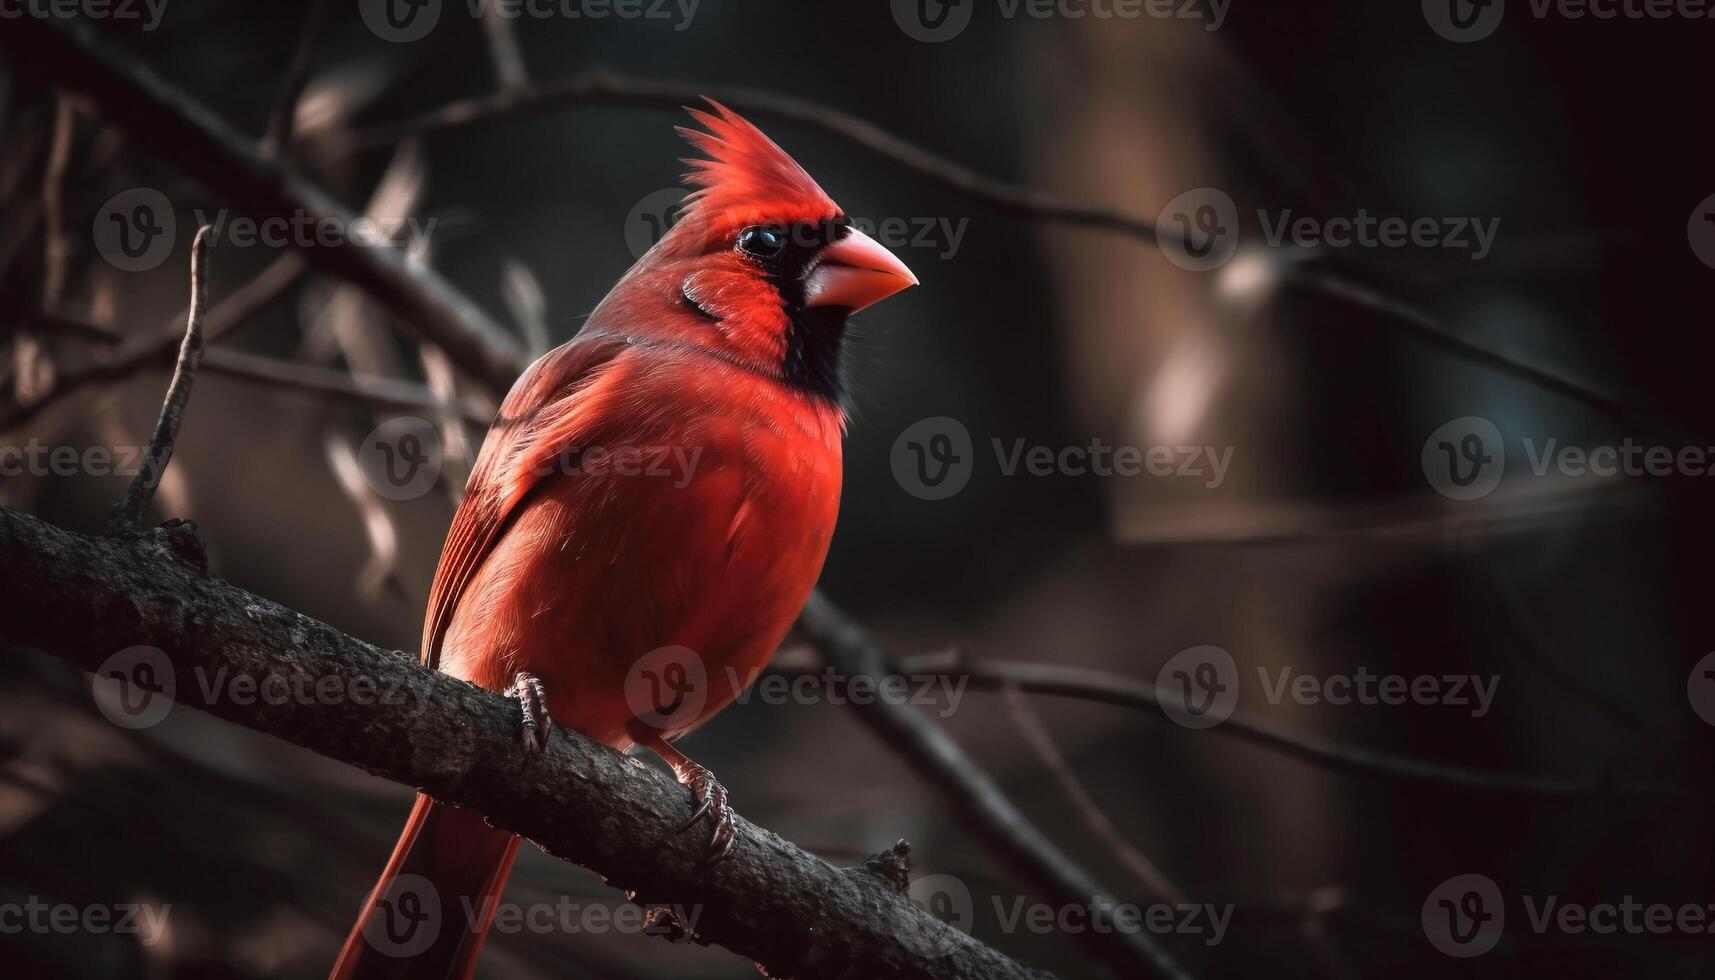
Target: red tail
428, 914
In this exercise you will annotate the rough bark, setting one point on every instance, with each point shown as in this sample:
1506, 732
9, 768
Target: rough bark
87, 598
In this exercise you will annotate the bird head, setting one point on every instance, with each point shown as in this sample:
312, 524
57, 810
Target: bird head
762, 266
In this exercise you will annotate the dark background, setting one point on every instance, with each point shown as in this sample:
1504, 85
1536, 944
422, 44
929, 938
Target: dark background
1325, 549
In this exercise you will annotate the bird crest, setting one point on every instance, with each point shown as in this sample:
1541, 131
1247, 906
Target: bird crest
746, 178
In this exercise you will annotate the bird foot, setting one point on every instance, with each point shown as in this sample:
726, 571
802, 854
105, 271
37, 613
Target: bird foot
711, 801
533, 705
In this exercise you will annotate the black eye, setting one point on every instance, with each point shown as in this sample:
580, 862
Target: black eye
762, 242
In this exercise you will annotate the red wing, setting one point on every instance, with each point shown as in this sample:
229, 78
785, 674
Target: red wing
542, 408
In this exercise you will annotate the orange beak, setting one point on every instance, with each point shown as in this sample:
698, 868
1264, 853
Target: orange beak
855, 272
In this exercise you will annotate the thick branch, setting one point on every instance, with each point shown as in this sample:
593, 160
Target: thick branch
87, 598
134, 97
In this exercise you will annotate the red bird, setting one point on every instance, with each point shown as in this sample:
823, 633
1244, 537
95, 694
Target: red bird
650, 510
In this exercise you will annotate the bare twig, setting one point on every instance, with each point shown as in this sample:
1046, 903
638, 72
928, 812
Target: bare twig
132, 96
84, 598
388, 393
369, 390
1108, 688
1535, 651
56, 251
135, 355
128, 513
503, 49
277, 137
599, 87
978, 800
1432, 331
1042, 743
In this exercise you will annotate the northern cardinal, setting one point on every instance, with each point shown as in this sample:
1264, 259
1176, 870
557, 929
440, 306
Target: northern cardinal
648, 513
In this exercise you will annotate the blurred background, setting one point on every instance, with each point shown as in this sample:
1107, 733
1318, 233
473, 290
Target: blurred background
1334, 540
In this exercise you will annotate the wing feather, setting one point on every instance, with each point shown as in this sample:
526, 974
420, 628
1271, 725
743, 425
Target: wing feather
545, 409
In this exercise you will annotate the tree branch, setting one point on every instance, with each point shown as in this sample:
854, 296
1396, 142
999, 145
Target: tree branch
130, 95
978, 801
598, 87
1108, 688
128, 513
85, 598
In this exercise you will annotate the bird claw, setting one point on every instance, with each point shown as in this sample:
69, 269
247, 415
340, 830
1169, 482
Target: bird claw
711, 799
533, 705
